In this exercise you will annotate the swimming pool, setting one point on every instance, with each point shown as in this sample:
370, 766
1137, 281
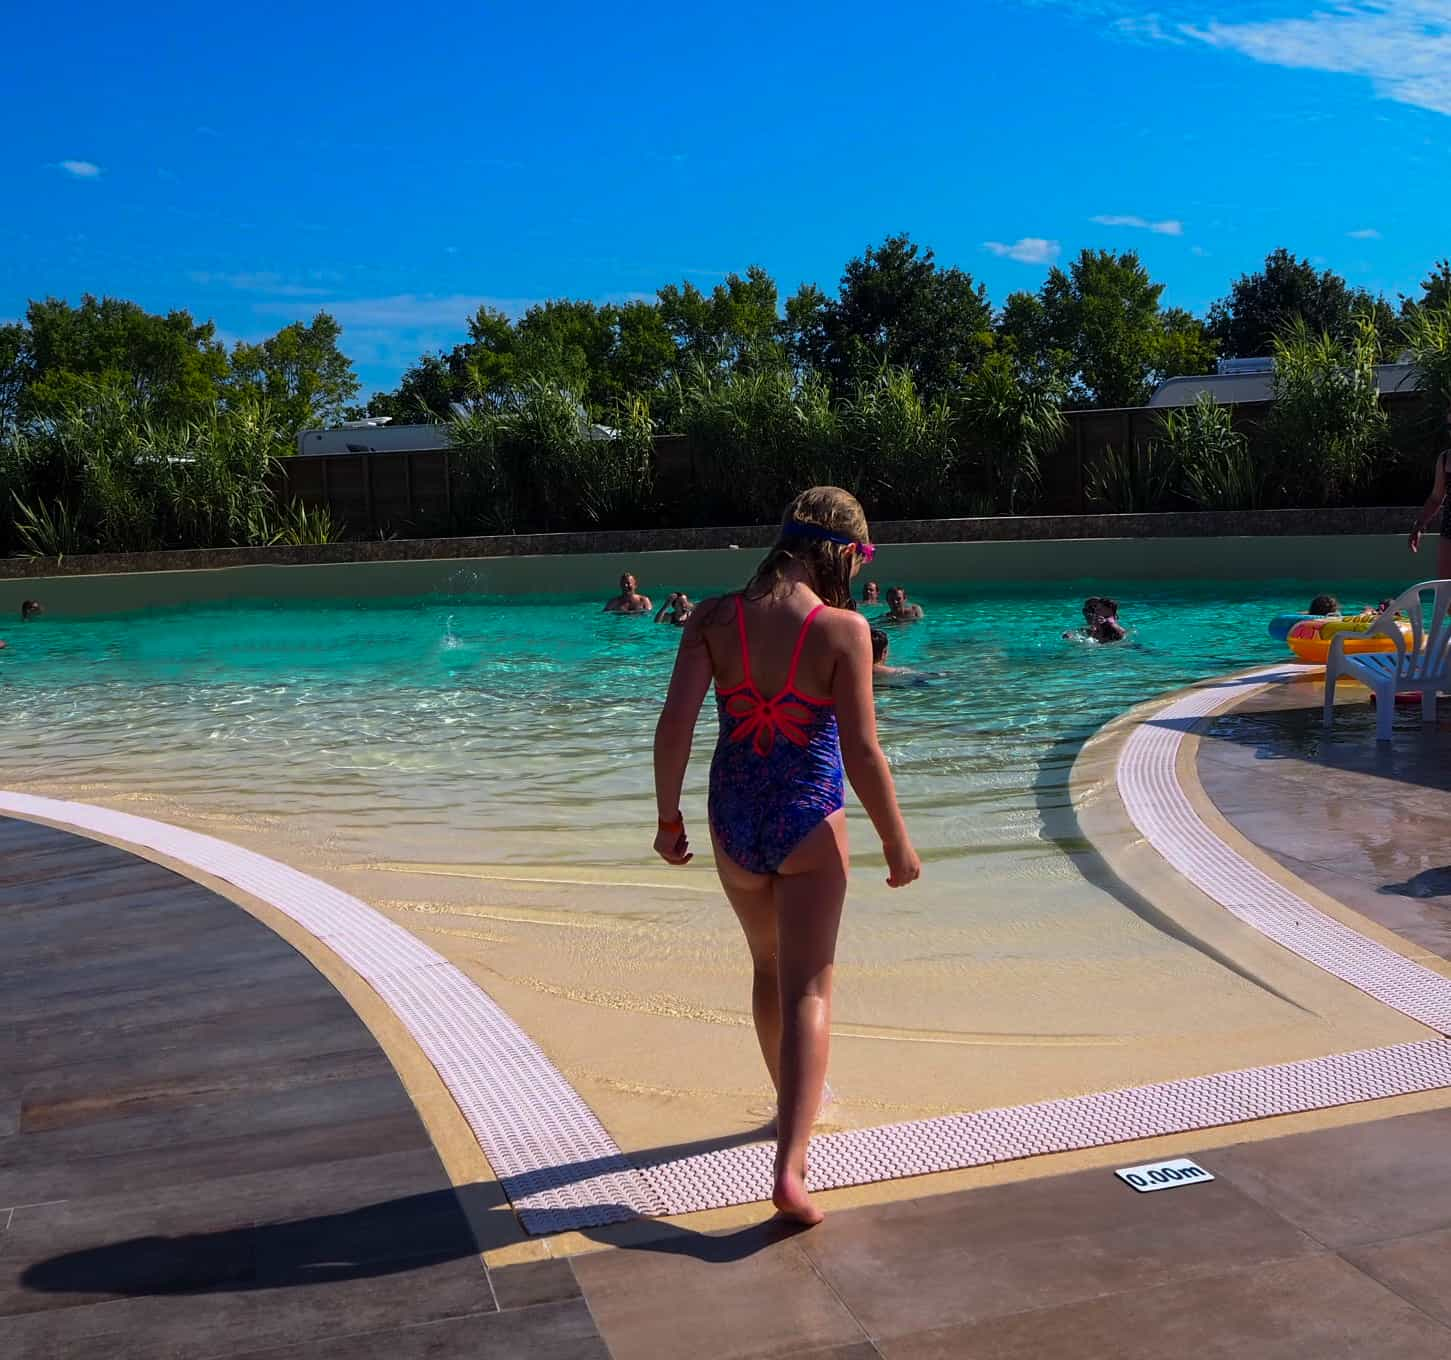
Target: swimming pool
480, 769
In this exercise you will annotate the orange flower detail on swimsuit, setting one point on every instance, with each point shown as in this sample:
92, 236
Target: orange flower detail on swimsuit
762, 719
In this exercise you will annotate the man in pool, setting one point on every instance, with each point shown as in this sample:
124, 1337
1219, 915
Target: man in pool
871, 593
1100, 620
29, 609
629, 600
679, 606
899, 608
1324, 604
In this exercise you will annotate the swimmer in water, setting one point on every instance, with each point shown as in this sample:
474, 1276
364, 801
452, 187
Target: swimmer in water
883, 674
1100, 621
679, 606
629, 600
899, 608
29, 609
871, 593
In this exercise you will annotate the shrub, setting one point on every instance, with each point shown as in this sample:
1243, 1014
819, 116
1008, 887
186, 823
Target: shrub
1213, 458
1326, 422
1007, 427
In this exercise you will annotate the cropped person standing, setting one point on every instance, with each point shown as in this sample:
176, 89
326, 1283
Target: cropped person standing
792, 667
1434, 502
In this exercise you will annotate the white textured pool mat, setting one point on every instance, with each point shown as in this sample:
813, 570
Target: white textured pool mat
1149, 785
552, 1156
562, 1170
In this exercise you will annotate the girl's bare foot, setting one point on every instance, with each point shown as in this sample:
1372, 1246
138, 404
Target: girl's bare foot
792, 1201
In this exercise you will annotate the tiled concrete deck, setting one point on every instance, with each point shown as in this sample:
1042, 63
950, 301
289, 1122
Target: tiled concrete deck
208, 1155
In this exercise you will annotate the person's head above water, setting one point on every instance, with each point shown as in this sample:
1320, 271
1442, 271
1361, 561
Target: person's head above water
29, 609
1099, 607
1324, 604
879, 646
871, 593
627, 583
824, 535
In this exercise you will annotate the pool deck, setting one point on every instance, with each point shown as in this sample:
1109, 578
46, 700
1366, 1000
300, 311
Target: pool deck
205, 1152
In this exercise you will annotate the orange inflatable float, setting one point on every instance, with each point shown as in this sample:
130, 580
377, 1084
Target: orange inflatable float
1310, 641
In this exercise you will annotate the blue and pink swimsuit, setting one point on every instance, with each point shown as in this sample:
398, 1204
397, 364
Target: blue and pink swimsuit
777, 773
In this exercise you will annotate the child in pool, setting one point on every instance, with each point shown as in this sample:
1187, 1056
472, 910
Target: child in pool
883, 674
1100, 621
792, 668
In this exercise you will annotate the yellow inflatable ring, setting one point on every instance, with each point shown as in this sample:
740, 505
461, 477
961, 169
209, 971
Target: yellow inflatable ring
1310, 641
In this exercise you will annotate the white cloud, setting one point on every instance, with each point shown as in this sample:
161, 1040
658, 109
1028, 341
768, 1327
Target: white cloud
1364, 234
1026, 250
260, 282
1402, 46
1169, 227
80, 169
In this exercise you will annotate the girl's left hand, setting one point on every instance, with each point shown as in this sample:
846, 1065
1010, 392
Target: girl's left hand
673, 846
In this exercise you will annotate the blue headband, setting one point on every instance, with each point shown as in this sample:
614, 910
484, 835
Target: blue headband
798, 530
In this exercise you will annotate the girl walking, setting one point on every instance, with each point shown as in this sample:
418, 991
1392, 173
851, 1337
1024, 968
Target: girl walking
792, 666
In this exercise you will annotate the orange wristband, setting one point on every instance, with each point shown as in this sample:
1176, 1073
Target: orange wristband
675, 824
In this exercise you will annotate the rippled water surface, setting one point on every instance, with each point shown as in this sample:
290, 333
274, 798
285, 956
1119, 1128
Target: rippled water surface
518, 731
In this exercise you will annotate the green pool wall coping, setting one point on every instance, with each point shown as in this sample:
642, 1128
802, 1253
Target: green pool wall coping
1327, 557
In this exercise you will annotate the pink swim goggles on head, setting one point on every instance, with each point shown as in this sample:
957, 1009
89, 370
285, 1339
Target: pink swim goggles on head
796, 529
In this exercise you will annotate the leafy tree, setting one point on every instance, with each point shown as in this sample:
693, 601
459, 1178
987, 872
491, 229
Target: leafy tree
14, 373
167, 367
898, 308
805, 328
1103, 313
490, 359
566, 345
737, 326
1185, 345
642, 355
1435, 290
1262, 306
303, 375
426, 391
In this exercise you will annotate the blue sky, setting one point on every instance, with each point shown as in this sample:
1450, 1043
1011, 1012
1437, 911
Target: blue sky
399, 166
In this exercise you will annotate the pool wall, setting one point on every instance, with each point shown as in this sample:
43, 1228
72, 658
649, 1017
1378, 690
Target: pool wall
1331, 558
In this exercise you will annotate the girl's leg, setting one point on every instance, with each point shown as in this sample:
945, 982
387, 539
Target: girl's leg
810, 890
754, 904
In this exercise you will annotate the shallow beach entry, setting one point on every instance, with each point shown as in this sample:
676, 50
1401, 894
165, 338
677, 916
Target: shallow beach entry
479, 769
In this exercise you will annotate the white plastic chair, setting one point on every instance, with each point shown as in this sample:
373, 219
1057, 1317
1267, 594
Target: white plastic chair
1424, 665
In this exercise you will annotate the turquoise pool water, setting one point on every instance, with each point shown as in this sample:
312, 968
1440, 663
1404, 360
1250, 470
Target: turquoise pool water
479, 769
526, 724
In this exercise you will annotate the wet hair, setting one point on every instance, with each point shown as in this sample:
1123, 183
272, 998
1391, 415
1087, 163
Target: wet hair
894, 590
29, 607
628, 576
879, 645
869, 587
827, 564
1324, 604
1094, 603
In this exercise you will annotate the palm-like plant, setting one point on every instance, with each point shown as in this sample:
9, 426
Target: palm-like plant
1327, 421
1214, 457
1008, 427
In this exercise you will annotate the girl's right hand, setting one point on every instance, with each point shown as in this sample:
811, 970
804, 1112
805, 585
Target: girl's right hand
903, 866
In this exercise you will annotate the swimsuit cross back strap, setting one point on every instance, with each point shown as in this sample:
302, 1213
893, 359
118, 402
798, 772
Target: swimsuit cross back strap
776, 773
